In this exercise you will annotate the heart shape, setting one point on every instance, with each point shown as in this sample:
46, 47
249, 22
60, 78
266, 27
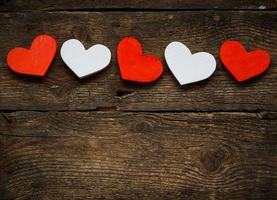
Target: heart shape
186, 67
36, 60
134, 66
241, 64
85, 62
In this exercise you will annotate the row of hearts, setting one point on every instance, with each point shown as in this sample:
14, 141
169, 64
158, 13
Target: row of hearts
134, 66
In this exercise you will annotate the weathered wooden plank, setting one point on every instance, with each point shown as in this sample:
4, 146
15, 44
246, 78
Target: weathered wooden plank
201, 31
138, 4
94, 155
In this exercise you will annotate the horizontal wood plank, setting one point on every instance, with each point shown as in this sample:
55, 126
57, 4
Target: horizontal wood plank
130, 4
200, 31
103, 155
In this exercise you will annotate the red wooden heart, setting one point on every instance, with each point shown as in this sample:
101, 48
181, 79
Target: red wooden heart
243, 65
134, 66
36, 60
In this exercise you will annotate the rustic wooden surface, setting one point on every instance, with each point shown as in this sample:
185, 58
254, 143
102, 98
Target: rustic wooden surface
18, 5
103, 138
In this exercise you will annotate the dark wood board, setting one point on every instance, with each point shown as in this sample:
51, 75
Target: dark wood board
138, 4
115, 155
104, 138
200, 31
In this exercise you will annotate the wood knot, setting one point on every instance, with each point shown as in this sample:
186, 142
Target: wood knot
142, 127
116, 24
80, 33
7, 119
123, 93
60, 91
211, 160
216, 17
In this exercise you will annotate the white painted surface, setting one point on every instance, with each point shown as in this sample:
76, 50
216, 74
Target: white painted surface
186, 67
85, 62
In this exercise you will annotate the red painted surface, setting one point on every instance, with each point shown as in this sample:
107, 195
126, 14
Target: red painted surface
241, 64
36, 60
134, 66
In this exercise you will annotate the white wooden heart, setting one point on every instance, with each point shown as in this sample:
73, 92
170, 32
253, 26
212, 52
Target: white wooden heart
85, 62
186, 67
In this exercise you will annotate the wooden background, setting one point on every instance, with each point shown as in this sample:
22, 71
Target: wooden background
103, 138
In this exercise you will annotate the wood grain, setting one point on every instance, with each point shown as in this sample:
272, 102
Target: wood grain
201, 31
104, 138
115, 155
130, 4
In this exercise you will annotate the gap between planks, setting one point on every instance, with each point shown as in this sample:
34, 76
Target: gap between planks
259, 114
91, 10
